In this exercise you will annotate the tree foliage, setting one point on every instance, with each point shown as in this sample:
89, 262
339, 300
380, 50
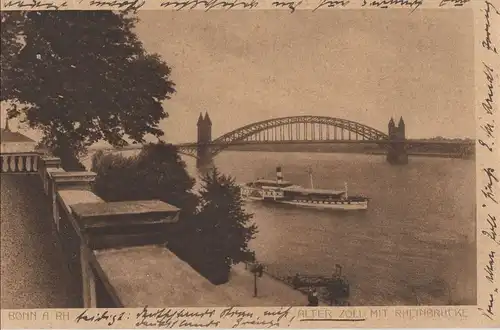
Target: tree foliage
217, 236
11, 29
83, 77
157, 172
224, 226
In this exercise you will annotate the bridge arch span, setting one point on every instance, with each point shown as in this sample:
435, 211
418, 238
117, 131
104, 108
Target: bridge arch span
245, 132
241, 133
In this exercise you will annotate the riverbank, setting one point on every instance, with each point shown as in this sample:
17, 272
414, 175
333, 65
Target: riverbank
323, 301
270, 290
361, 152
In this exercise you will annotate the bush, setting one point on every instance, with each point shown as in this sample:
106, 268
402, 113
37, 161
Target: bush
157, 172
116, 178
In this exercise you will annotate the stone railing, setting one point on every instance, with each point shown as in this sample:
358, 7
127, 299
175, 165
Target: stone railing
90, 229
19, 162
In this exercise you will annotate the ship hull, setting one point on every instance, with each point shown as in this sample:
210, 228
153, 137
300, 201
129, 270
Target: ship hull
331, 204
345, 206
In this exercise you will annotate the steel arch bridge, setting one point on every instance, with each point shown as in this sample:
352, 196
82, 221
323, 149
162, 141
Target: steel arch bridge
294, 129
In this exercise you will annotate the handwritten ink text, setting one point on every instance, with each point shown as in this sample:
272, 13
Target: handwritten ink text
492, 231
489, 309
455, 3
332, 4
292, 5
488, 190
124, 4
210, 4
35, 4
413, 4
109, 317
487, 43
490, 267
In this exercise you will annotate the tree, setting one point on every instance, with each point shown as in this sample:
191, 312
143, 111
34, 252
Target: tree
11, 23
83, 77
222, 225
157, 172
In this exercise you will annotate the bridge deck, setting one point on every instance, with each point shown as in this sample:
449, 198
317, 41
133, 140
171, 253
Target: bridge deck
33, 274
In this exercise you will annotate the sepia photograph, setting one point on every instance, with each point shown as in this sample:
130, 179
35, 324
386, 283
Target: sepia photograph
244, 158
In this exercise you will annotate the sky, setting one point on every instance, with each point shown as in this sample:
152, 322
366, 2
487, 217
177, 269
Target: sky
361, 65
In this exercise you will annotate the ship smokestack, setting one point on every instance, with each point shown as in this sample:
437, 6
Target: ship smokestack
279, 174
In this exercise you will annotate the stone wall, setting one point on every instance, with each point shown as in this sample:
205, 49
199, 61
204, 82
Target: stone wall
88, 227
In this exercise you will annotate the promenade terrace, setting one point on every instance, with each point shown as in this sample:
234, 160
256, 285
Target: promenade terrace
62, 246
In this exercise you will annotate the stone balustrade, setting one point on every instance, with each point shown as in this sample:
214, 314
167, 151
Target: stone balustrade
19, 162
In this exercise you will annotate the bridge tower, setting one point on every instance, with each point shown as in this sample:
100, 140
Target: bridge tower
204, 139
396, 149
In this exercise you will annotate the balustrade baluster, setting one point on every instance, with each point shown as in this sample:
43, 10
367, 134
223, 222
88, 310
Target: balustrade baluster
12, 163
28, 163
35, 163
6, 163
20, 163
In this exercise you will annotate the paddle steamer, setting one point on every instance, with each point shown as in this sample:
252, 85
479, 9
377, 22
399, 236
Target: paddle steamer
285, 192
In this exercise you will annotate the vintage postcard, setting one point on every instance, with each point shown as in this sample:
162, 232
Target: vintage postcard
250, 164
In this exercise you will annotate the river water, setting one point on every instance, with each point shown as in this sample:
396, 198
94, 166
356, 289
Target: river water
414, 245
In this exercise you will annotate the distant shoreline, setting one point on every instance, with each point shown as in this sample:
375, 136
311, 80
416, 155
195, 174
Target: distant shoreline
316, 149
368, 152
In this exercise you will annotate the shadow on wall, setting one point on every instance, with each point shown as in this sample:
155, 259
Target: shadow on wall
190, 251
